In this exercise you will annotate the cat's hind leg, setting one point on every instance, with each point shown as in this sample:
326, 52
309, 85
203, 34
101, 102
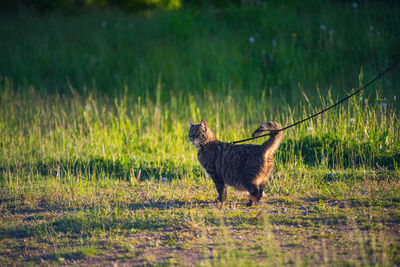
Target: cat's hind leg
256, 192
261, 191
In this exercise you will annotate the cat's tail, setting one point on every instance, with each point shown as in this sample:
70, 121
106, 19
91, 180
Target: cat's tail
275, 138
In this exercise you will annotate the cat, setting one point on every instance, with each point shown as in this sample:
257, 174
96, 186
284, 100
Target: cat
245, 167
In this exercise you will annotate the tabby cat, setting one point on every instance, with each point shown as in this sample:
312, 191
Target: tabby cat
245, 167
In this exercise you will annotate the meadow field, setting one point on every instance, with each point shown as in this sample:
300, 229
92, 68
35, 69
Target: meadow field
96, 167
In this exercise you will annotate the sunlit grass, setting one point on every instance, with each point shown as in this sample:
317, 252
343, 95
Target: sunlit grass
70, 167
296, 47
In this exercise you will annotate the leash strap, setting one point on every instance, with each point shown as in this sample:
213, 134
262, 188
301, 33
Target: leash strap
326, 109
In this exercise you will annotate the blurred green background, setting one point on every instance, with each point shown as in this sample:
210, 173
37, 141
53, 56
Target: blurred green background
282, 48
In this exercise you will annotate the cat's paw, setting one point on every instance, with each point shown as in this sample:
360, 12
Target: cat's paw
219, 200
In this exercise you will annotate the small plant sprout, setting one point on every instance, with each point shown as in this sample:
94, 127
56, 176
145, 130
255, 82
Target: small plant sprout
366, 132
58, 171
134, 178
305, 97
251, 39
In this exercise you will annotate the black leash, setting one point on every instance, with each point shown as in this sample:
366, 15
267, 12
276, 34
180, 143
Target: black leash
326, 109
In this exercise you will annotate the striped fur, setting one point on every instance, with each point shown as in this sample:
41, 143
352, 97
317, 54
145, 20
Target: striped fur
245, 167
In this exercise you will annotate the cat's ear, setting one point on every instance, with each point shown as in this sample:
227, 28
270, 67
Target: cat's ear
190, 123
204, 123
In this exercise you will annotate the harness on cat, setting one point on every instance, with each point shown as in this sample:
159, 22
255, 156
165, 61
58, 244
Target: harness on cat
322, 111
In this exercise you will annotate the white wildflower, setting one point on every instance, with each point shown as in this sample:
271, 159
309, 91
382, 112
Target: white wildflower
354, 5
351, 120
165, 179
322, 27
158, 110
383, 105
309, 128
87, 107
251, 39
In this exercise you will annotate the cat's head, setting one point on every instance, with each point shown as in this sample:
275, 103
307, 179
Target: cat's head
200, 133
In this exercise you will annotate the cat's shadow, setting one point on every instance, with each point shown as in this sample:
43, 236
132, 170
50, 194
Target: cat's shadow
171, 204
162, 205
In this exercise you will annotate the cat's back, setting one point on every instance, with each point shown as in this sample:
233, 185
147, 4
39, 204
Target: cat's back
239, 162
237, 154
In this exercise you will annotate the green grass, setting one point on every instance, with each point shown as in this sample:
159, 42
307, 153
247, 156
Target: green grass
84, 109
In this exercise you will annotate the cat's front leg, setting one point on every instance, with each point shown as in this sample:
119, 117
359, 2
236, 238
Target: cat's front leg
220, 186
222, 192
